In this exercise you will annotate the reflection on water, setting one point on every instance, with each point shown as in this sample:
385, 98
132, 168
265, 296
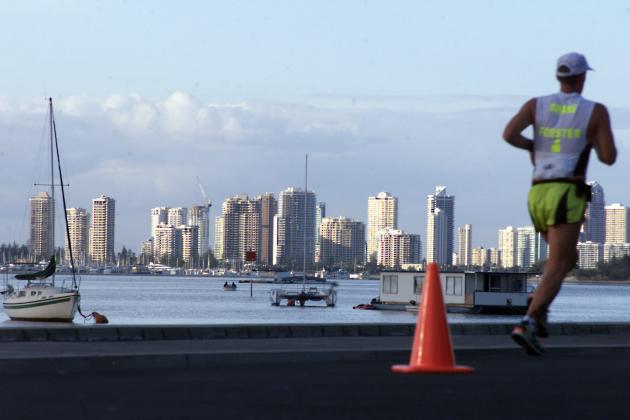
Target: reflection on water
202, 300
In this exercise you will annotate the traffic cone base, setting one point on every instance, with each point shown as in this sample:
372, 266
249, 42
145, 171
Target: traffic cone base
426, 369
432, 350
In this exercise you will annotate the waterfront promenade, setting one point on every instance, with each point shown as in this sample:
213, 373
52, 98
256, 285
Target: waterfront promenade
306, 371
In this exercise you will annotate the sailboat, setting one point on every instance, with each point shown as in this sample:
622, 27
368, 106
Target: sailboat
322, 291
41, 299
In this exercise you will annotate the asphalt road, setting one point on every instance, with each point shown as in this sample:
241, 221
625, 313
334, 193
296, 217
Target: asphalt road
571, 383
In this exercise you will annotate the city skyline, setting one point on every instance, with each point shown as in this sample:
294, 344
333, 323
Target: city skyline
179, 218
176, 244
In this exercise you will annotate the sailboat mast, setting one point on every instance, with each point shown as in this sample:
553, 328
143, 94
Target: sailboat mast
63, 198
52, 179
304, 220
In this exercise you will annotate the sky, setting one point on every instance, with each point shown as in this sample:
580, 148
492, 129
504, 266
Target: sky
397, 96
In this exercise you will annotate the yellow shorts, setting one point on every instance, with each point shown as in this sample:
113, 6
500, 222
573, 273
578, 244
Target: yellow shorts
555, 203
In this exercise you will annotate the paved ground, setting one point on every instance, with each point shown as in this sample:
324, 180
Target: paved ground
567, 384
584, 376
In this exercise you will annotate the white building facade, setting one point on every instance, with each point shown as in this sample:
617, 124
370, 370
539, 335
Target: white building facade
464, 253
617, 226
78, 227
382, 214
102, 230
42, 231
397, 248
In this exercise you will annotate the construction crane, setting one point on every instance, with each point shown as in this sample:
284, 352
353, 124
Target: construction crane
207, 201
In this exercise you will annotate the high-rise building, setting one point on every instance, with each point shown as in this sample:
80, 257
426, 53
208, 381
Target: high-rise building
102, 230
177, 216
397, 248
79, 235
508, 246
595, 217
268, 210
189, 235
589, 254
249, 229
464, 254
480, 258
437, 241
527, 246
42, 229
382, 214
241, 228
294, 229
320, 213
440, 225
219, 235
617, 224
166, 244
495, 257
198, 216
342, 242
159, 215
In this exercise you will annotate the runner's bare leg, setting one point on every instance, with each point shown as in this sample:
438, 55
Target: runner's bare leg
562, 240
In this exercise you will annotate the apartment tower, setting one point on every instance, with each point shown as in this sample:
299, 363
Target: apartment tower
198, 216
268, 210
102, 230
294, 229
78, 228
396, 248
382, 214
617, 224
342, 242
440, 225
42, 231
464, 254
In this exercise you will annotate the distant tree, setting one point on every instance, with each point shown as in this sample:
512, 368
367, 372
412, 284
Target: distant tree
538, 267
615, 269
10, 253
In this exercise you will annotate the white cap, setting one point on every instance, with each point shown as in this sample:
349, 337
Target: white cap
574, 62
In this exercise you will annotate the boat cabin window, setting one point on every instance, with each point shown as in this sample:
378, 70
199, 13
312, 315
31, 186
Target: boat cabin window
495, 284
417, 284
39, 293
390, 283
454, 286
33, 293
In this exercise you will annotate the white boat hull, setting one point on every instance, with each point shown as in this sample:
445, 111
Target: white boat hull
56, 307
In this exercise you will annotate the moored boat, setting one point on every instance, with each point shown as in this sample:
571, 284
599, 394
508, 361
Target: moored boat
40, 299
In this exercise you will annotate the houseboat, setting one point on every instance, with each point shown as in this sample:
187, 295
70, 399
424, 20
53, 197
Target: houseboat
468, 292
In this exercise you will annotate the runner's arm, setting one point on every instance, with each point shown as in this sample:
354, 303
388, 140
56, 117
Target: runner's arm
519, 122
604, 141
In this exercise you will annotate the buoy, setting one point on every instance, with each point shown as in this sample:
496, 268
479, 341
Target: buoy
100, 318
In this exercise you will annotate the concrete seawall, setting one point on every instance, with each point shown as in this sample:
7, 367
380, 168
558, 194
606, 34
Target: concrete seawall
113, 333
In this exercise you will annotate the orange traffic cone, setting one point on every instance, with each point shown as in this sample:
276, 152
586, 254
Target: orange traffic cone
432, 350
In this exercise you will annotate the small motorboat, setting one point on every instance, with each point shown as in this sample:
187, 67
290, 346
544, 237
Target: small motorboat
229, 287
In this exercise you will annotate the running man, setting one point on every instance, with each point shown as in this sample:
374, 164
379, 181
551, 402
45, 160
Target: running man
566, 127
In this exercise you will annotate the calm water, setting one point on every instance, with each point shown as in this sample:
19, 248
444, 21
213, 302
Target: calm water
202, 300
